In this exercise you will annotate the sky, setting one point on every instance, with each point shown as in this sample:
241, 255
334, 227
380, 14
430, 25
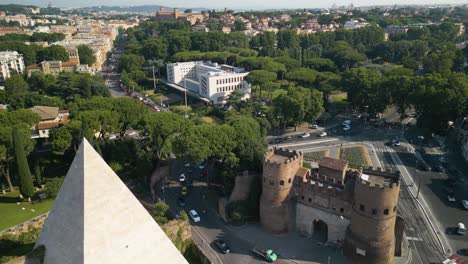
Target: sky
232, 4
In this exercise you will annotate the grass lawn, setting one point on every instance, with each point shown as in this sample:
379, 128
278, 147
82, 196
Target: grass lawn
210, 120
277, 93
316, 156
357, 156
340, 100
12, 214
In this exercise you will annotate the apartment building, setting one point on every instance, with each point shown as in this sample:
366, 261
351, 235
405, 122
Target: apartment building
209, 80
11, 62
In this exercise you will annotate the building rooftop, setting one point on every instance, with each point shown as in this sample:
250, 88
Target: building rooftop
334, 164
46, 112
97, 219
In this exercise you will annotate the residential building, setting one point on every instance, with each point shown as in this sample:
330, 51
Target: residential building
356, 208
51, 117
353, 24
97, 219
209, 80
56, 67
11, 62
175, 14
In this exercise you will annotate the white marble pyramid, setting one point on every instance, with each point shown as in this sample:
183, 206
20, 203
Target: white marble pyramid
96, 219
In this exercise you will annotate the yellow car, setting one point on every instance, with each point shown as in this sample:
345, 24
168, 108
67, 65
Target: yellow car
184, 190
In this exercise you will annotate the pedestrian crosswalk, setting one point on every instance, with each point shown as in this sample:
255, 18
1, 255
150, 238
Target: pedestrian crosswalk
406, 150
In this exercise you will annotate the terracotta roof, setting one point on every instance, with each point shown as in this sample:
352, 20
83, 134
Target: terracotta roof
47, 125
46, 112
334, 164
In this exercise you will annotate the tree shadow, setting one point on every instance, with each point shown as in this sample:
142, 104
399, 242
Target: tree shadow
9, 199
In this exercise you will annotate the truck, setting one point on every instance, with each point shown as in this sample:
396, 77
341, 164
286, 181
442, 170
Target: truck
267, 254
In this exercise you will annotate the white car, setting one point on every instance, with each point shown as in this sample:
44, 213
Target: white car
314, 126
182, 178
346, 128
346, 123
323, 134
194, 215
305, 135
201, 167
187, 165
465, 204
451, 198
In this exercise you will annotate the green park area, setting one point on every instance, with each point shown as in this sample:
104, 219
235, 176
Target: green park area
13, 213
357, 156
316, 155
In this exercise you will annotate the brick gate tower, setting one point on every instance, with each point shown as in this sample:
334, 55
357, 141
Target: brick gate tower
370, 237
279, 169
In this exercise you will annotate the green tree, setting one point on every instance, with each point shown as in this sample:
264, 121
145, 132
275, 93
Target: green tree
161, 127
86, 55
61, 139
131, 62
54, 53
160, 213
53, 187
152, 49
259, 78
38, 172
239, 25
17, 89
26, 182
130, 113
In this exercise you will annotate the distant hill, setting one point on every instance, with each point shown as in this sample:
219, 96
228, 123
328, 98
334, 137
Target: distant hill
140, 9
13, 9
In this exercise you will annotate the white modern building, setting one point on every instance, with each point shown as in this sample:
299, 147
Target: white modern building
354, 24
11, 62
209, 80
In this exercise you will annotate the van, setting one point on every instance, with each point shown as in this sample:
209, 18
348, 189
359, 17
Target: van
461, 229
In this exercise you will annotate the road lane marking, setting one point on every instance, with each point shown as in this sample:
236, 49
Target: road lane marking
414, 238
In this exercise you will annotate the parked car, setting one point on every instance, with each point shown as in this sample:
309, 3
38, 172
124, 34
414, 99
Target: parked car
305, 135
438, 168
423, 166
222, 246
451, 198
194, 215
396, 142
346, 123
346, 128
314, 126
465, 204
181, 201
182, 177
323, 134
